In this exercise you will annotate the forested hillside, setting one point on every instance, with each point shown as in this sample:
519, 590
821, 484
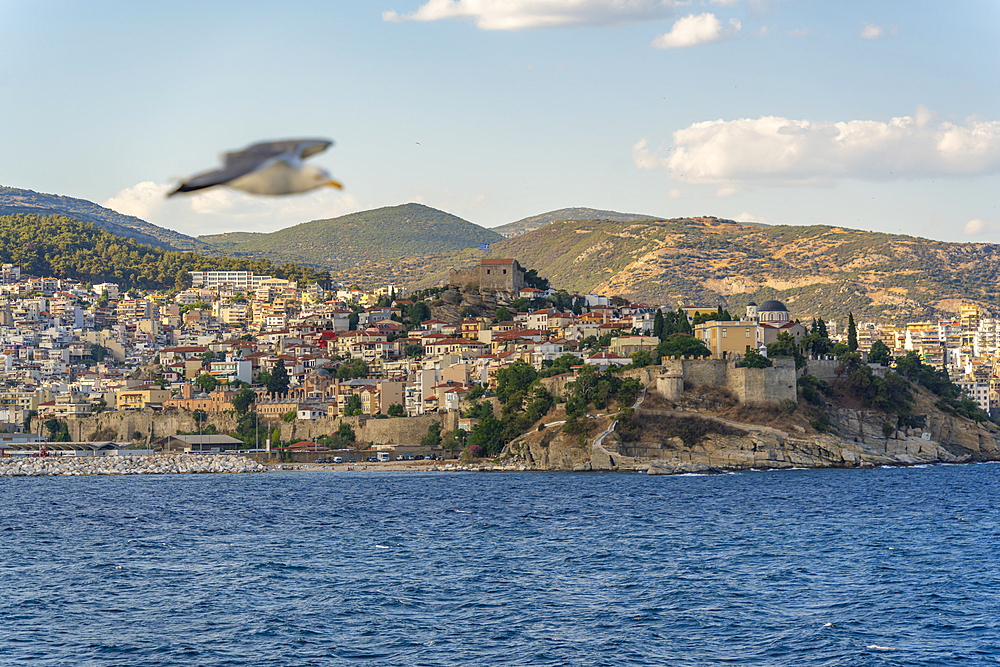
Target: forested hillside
14, 201
410, 230
61, 247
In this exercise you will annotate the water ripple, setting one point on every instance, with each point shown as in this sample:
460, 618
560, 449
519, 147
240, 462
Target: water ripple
825, 568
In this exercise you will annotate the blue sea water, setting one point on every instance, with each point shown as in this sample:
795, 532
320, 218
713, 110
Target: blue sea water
831, 567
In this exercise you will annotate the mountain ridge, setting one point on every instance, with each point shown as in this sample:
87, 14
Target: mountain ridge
15, 201
386, 233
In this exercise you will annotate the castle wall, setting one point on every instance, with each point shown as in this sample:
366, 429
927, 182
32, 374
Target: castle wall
463, 277
749, 385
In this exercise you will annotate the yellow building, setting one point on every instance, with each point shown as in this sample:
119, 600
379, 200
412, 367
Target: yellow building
731, 338
138, 398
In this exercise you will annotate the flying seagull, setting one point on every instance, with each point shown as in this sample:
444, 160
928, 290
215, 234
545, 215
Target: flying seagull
267, 168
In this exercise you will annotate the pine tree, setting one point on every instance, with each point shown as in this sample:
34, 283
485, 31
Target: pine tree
852, 333
278, 382
658, 324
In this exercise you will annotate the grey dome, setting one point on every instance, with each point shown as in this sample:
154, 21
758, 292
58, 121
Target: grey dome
772, 306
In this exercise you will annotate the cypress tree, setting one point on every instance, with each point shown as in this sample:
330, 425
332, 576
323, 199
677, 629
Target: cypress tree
852, 333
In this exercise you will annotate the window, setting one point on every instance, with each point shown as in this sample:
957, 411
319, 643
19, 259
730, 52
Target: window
747, 332
724, 332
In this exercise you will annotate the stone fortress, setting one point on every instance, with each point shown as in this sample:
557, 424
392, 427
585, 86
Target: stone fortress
757, 386
494, 275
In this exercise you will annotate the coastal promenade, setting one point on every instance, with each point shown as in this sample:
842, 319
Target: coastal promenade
178, 464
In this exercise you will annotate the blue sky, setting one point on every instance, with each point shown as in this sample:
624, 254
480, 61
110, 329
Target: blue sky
881, 116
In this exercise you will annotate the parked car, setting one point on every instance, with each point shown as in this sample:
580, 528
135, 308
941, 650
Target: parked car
338, 459
320, 461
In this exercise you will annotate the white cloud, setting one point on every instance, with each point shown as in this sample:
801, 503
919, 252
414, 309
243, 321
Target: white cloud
748, 217
974, 227
772, 150
872, 31
143, 200
800, 32
521, 14
693, 30
675, 193
219, 210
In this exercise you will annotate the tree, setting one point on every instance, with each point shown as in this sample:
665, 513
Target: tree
346, 433
278, 382
418, 312
352, 322
243, 399
681, 345
754, 359
880, 354
487, 435
852, 333
658, 324
785, 346
356, 369
514, 378
477, 392
641, 359
502, 315
206, 382
352, 407
433, 436
182, 280
396, 410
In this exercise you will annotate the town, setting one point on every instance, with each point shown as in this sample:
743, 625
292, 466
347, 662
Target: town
234, 342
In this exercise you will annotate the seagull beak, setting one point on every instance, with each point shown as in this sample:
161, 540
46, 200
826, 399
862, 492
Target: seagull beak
335, 184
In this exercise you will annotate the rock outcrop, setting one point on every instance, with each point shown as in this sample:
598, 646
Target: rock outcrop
857, 438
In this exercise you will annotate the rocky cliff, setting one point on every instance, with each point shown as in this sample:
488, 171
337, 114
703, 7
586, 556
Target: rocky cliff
691, 437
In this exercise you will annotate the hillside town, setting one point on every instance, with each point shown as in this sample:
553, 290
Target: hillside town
70, 350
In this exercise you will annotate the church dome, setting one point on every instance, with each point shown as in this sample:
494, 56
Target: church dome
772, 306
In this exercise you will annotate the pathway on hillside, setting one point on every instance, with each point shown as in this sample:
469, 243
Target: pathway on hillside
599, 440
740, 425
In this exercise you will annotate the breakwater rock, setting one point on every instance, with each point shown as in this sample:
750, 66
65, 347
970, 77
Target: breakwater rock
163, 464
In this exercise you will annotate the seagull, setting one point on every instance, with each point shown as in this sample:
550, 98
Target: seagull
267, 168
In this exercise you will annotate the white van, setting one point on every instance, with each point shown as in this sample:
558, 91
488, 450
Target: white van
383, 457
338, 459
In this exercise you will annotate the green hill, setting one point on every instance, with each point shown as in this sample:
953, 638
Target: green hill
536, 221
409, 230
62, 247
14, 201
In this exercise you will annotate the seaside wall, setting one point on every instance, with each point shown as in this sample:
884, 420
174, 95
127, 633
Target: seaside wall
150, 426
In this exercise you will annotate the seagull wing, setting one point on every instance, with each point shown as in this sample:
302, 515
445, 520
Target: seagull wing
296, 148
252, 158
231, 171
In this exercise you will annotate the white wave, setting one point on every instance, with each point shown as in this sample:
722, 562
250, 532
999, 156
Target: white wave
876, 647
379, 546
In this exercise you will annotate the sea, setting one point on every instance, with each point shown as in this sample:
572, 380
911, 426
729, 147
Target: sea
888, 566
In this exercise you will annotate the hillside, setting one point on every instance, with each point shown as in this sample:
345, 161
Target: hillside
62, 247
536, 221
815, 270
14, 201
409, 230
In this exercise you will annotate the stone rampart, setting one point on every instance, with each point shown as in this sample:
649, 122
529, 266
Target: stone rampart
750, 385
149, 426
